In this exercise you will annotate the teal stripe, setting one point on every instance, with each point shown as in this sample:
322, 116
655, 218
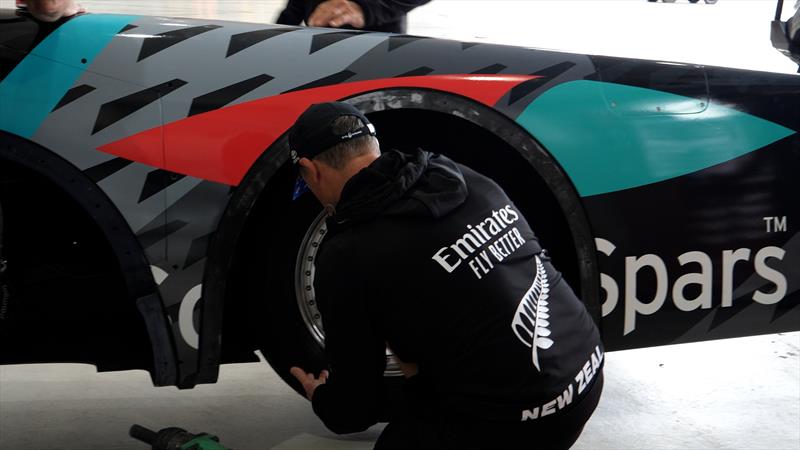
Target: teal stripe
609, 137
35, 86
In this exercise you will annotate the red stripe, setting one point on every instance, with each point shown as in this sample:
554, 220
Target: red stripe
222, 145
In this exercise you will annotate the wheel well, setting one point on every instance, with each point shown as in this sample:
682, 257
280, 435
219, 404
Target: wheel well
530, 175
81, 287
470, 134
69, 299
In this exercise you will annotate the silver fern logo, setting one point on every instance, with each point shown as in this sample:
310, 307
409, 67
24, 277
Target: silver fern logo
530, 321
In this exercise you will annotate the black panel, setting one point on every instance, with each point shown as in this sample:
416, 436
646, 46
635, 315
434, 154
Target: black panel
158, 234
17, 35
104, 170
8, 60
221, 97
320, 41
242, 41
466, 45
336, 78
490, 70
786, 307
116, 110
771, 96
162, 41
419, 71
19, 31
197, 250
16, 32
396, 42
714, 210
73, 94
157, 181
545, 75
682, 79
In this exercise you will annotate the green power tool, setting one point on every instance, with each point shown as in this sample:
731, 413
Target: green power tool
176, 439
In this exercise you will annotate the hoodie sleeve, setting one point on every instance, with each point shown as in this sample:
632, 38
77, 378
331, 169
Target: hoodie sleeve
350, 401
293, 14
379, 12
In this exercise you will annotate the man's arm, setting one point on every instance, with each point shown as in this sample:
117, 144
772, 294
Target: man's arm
293, 14
379, 12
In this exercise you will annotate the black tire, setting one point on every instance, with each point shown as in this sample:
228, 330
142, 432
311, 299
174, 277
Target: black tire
270, 261
282, 336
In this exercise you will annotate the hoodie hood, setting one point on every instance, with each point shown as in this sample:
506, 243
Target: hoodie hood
420, 184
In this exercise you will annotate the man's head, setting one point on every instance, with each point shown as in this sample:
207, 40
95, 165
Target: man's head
331, 142
52, 10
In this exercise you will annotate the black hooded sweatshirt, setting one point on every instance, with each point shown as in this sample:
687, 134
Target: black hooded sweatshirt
379, 15
433, 259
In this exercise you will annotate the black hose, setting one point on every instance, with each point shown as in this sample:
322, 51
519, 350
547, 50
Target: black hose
143, 434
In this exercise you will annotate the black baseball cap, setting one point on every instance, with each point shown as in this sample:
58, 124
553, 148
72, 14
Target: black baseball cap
312, 133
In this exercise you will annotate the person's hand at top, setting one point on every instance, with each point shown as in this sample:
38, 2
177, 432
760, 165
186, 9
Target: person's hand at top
337, 13
53, 10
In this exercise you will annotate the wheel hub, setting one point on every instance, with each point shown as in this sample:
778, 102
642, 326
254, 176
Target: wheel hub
305, 271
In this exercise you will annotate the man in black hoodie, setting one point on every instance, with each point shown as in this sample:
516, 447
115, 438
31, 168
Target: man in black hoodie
432, 259
370, 15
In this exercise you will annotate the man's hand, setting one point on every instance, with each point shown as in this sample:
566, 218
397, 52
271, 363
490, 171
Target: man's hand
308, 380
337, 13
409, 369
53, 10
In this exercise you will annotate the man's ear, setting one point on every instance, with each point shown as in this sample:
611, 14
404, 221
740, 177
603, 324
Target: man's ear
309, 169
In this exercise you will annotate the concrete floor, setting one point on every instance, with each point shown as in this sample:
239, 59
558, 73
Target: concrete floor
733, 394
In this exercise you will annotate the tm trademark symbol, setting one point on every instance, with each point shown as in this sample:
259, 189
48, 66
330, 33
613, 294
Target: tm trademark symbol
776, 224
